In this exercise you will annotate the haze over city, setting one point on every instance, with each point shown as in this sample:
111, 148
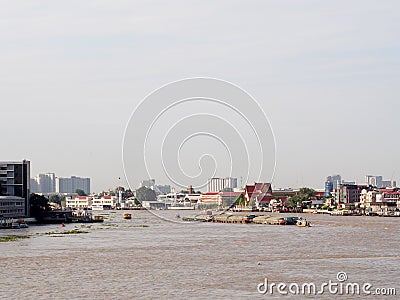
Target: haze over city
325, 73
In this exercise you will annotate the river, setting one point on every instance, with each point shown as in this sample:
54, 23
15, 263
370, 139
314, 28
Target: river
148, 257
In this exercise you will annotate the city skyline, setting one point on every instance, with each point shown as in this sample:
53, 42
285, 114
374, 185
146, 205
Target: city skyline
368, 179
325, 74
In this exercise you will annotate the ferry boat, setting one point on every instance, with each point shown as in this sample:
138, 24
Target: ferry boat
127, 216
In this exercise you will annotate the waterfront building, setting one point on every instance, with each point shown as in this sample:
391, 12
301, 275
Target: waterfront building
79, 202
258, 194
172, 198
104, 203
380, 202
154, 204
12, 206
70, 185
223, 199
391, 195
368, 197
348, 193
210, 198
192, 198
15, 181
218, 184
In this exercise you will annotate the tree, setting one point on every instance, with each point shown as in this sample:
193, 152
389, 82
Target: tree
80, 192
240, 200
56, 198
145, 194
306, 193
303, 194
39, 205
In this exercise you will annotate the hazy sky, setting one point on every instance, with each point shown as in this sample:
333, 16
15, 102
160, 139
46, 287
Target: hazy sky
327, 74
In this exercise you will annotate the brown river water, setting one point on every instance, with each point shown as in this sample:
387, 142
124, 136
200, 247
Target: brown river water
149, 258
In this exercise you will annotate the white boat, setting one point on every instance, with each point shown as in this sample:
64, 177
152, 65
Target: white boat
100, 207
302, 223
181, 207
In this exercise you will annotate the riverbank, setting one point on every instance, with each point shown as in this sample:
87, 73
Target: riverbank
121, 259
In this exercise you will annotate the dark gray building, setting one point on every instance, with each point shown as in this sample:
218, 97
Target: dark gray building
15, 181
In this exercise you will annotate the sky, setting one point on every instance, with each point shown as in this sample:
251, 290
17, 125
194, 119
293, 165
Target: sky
326, 74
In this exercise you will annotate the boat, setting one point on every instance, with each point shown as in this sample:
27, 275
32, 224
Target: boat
248, 218
23, 225
291, 220
261, 219
181, 207
302, 223
15, 225
276, 221
127, 216
98, 219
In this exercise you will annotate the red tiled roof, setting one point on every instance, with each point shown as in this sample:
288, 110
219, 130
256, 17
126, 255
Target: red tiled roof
258, 189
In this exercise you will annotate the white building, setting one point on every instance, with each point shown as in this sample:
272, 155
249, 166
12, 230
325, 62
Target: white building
70, 185
104, 203
218, 184
78, 202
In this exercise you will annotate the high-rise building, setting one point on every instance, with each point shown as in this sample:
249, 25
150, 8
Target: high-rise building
34, 186
149, 183
377, 181
70, 185
15, 181
162, 189
332, 183
328, 187
44, 183
218, 184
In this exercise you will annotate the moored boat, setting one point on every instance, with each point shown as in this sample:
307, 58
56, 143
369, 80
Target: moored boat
302, 223
291, 220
